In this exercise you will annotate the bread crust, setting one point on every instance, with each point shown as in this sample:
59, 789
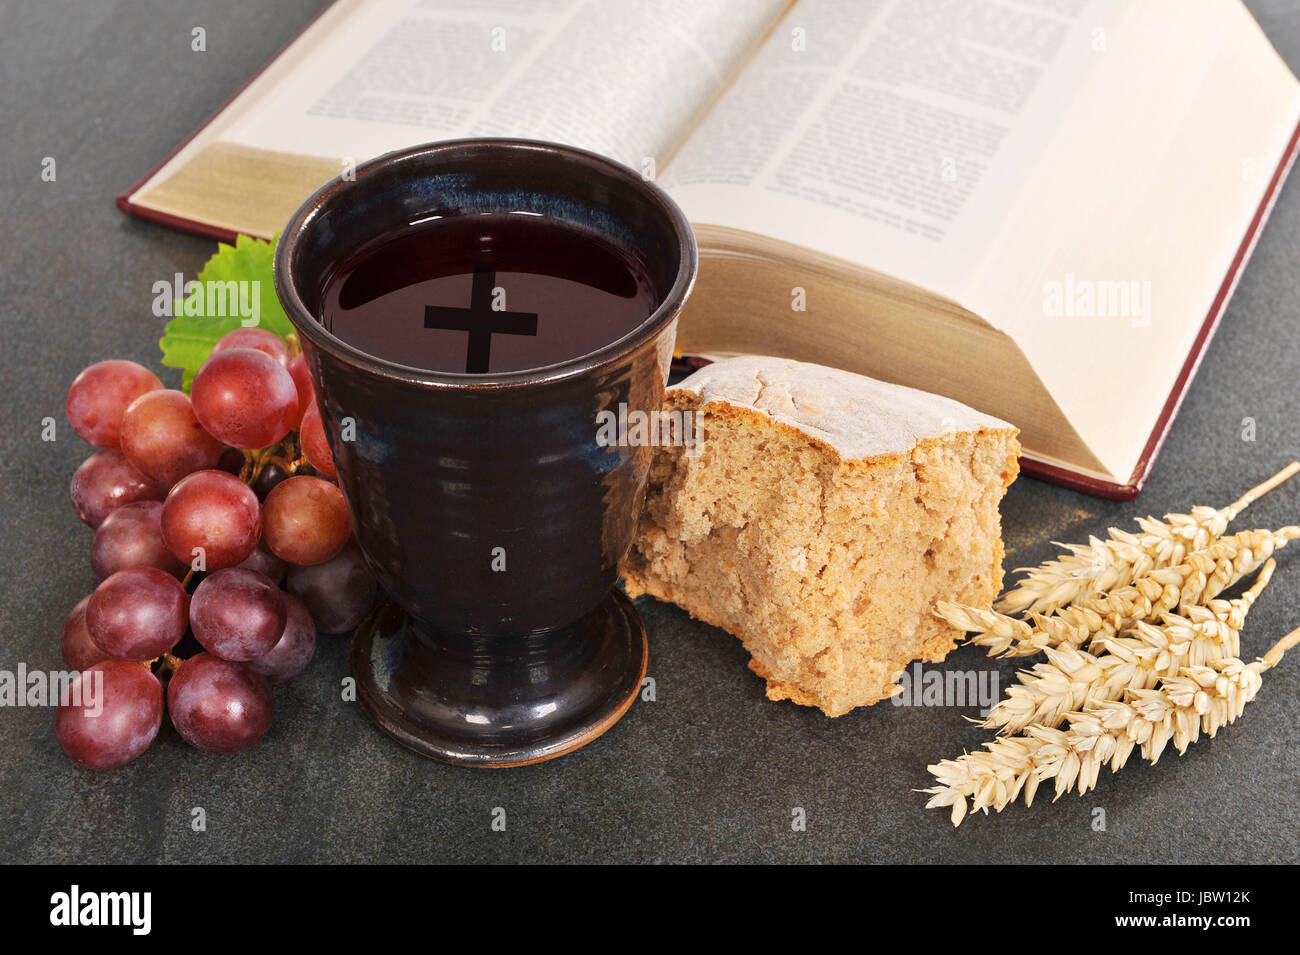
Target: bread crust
731, 531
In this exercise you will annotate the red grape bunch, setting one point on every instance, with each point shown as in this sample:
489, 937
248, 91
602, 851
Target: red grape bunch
222, 545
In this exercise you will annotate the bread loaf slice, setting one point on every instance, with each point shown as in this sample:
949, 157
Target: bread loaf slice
819, 518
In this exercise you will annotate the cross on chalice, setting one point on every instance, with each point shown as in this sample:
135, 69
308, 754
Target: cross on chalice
481, 320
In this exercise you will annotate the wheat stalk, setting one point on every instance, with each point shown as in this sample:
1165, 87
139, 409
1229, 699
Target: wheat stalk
1071, 680
1195, 700
1102, 565
1200, 577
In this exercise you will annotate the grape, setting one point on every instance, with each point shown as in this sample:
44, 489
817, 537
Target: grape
302, 382
105, 482
306, 521
245, 398
337, 593
266, 342
215, 511
219, 706
265, 563
138, 614
270, 476
237, 614
110, 714
79, 651
297, 643
131, 536
99, 396
312, 435
162, 438
232, 461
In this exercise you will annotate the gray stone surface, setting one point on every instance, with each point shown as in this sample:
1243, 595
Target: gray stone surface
709, 772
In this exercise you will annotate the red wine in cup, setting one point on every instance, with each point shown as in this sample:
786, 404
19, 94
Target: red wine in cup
485, 294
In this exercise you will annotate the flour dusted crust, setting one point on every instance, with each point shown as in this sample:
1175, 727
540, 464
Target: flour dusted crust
859, 417
820, 519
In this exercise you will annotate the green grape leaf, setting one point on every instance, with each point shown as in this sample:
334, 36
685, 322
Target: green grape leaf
215, 306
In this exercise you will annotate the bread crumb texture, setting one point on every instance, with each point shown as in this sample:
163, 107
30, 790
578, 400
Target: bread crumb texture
820, 517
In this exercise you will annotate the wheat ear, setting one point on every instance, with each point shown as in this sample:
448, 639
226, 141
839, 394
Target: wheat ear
1200, 577
1102, 565
1198, 699
1071, 680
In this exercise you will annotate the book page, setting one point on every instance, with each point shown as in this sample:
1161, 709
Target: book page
624, 79
1079, 173
888, 132
1107, 264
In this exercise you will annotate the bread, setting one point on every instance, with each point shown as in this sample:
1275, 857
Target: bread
820, 517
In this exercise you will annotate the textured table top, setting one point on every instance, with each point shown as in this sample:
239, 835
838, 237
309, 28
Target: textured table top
710, 771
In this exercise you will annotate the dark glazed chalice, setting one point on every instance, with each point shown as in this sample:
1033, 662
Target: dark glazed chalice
472, 659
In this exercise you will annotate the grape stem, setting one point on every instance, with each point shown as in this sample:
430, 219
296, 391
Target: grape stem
260, 461
168, 664
286, 465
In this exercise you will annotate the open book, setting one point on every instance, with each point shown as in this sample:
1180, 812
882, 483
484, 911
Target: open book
1037, 207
